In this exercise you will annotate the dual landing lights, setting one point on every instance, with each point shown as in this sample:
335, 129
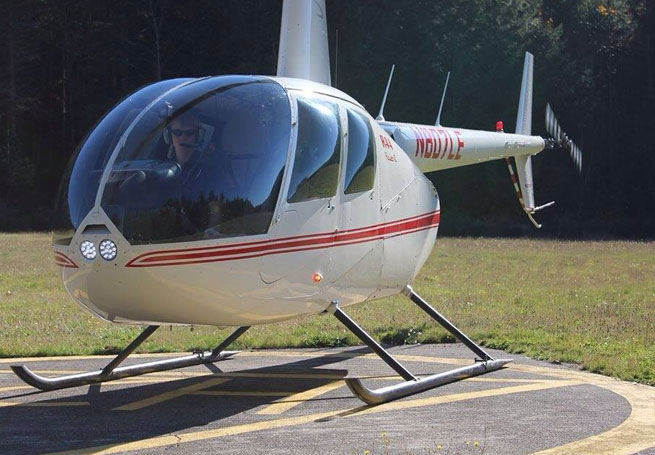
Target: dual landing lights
412, 384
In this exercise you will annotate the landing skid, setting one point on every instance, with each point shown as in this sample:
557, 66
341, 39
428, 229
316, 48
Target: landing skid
112, 373
413, 384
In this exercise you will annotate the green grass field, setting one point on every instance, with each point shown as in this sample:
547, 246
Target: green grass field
590, 303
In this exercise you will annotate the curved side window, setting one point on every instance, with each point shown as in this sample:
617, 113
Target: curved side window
360, 166
316, 166
79, 186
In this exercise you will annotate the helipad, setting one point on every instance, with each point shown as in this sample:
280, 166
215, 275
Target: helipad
297, 402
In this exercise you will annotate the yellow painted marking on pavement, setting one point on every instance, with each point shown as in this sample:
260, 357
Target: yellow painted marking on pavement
230, 393
124, 381
46, 371
163, 441
281, 375
141, 380
15, 387
17, 360
195, 374
284, 404
267, 353
189, 375
635, 434
45, 404
349, 355
455, 397
171, 395
508, 380
148, 379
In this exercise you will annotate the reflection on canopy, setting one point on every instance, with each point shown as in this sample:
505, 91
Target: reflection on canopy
79, 187
206, 161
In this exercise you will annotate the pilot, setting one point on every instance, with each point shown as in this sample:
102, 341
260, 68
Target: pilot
191, 147
189, 140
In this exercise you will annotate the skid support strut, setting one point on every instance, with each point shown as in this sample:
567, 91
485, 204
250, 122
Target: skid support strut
112, 373
412, 384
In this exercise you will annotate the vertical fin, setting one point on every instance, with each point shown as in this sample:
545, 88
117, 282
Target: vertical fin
524, 162
303, 51
524, 126
524, 116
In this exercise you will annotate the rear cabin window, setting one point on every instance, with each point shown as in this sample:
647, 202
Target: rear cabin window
360, 165
315, 171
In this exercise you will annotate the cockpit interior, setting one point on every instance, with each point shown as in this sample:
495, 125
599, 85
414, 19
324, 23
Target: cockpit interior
197, 159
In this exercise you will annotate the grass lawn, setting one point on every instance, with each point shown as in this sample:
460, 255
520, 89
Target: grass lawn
590, 303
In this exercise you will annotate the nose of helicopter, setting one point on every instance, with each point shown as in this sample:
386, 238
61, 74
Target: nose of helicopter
96, 273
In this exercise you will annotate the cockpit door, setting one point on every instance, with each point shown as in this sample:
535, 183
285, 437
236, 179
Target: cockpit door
308, 220
357, 255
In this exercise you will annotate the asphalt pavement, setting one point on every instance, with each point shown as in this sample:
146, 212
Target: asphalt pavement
296, 402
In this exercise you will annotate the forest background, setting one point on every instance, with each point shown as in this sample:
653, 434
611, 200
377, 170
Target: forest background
64, 63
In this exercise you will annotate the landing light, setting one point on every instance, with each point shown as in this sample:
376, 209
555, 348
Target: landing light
108, 250
88, 250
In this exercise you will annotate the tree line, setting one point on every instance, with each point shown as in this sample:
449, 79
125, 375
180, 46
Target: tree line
64, 63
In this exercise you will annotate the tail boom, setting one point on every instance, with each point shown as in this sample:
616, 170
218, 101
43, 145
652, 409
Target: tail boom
437, 148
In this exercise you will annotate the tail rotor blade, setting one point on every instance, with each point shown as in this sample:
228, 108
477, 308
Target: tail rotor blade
560, 138
578, 156
551, 121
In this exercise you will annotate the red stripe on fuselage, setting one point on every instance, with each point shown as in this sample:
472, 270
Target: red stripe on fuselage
266, 253
287, 244
64, 261
282, 239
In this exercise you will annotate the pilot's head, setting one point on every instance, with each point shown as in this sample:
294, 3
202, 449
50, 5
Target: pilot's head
184, 135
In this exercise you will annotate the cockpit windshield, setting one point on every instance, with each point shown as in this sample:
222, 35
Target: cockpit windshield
205, 161
79, 187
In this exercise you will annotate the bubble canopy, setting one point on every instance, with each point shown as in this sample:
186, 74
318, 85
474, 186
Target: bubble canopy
203, 160
81, 181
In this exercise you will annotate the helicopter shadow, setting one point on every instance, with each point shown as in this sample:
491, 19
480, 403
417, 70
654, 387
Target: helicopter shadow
101, 415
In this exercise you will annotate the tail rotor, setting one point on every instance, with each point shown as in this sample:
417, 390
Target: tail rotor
560, 139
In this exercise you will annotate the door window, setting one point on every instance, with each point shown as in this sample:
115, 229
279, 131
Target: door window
360, 165
316, 166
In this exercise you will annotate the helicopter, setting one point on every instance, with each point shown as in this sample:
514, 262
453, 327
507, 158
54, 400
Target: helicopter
242, 200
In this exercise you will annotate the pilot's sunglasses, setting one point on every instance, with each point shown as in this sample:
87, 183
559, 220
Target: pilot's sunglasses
187, 133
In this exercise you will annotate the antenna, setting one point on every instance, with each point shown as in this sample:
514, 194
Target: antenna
336, 60
380, 117
443, 97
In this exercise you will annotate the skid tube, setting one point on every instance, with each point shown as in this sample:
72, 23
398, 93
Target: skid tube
112, 373
412, 384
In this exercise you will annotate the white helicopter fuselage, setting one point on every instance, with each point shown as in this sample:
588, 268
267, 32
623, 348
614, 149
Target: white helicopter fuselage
260, 242
245, 200
347, 248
